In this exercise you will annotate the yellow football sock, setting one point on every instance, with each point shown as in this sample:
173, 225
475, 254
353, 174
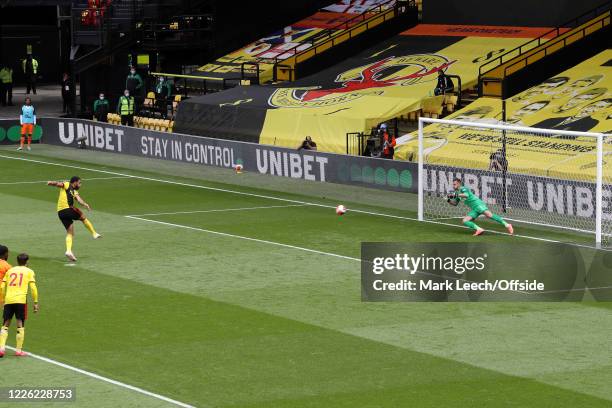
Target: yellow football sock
68, 242
90, 227
20, 337
3, 336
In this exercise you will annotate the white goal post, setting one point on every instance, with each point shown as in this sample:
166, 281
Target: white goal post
543, 177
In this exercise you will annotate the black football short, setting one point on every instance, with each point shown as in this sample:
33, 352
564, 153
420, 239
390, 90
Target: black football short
69, 215
19, 310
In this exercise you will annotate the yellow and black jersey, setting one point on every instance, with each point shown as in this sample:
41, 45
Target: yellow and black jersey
67, 197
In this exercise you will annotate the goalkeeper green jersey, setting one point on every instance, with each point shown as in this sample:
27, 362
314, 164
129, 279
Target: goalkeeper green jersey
471, 200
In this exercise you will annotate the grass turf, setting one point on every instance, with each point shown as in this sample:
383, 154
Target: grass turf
221, 321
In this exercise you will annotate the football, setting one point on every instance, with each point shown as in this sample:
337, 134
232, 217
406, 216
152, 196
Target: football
238, 168
340, 210
452, 198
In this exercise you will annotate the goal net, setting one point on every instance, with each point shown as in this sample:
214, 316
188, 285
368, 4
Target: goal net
543, 177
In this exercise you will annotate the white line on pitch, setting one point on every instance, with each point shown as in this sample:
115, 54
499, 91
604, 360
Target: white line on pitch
44, 181
350, 258
219, 210
106, 379
261, 241
177, 183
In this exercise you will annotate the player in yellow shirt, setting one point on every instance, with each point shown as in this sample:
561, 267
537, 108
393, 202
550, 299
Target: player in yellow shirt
14, 291
68, 213
4, 265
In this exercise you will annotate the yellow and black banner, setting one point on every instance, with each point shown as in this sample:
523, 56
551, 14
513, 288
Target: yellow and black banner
282, 44
393, 78
579, 99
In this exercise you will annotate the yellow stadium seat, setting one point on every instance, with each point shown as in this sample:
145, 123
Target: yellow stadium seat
450, 101
163, 126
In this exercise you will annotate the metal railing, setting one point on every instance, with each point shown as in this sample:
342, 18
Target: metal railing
356, 143
338, 34
187, 85
459, 89
536, 42
331, 32
538, 54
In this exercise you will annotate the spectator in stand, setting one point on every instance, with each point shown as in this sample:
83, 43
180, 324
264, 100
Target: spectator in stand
163, 93
388, 143
30, 70
101, 108
67, 94
445, 84
6, 85
308, 144
134, 83
125, 108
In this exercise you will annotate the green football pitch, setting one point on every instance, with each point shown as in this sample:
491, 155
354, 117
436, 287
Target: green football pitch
213, 289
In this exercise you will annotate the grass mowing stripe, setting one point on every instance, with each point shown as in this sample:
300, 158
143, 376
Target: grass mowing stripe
279, 199
263, 241
106, 379
218, 210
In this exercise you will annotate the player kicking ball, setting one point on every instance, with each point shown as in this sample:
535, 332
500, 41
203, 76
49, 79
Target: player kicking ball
477, 207
68, 213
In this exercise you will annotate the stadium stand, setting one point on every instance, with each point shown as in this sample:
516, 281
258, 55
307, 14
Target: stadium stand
494, 72
277, 56
390, 80
579, 99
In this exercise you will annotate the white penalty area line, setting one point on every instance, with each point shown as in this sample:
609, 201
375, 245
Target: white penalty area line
177, 183
261, 241
106, 379
217, 210
44, 181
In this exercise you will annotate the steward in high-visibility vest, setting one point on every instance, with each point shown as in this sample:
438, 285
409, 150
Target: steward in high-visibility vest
125, 108
6, 85
30, 70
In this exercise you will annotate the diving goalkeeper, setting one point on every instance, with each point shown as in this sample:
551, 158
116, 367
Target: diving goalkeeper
477, 207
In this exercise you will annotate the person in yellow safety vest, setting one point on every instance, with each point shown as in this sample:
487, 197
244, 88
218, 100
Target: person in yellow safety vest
30, 70
125, 108
6, 85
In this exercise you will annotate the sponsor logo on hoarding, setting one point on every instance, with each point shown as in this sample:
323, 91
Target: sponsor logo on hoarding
294, 165
98, 136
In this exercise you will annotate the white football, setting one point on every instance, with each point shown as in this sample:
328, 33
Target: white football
340, 210
238, 168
